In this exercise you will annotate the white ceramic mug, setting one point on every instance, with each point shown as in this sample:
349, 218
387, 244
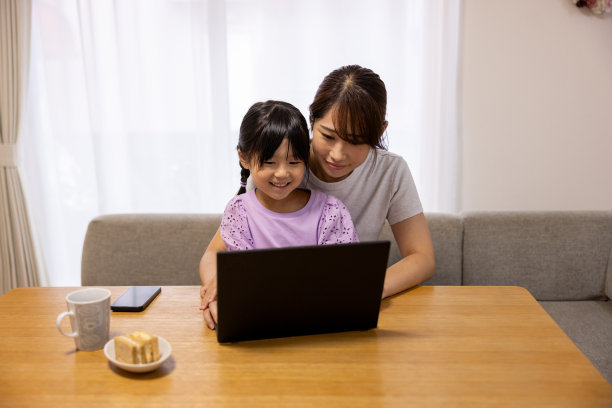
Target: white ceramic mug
89, 311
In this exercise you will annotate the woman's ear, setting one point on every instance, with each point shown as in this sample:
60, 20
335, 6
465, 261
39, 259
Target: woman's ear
243, 161
385, 124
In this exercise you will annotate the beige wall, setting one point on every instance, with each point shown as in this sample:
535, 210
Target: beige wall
535, 106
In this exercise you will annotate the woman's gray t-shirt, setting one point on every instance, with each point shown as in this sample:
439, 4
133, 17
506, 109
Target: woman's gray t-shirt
381, 188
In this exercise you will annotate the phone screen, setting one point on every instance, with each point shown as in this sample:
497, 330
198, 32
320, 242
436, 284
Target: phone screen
136, 299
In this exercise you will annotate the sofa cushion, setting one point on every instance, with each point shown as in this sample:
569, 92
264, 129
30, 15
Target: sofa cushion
146, 249
555, 255
588, 325
447, 235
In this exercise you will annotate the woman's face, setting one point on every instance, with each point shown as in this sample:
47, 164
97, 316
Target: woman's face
332, 158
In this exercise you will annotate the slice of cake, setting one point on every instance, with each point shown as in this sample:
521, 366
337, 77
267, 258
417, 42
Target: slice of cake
137, 348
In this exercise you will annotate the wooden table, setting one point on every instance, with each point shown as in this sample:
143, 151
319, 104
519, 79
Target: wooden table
460, 346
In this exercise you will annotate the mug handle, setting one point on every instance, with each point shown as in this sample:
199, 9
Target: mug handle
58, 322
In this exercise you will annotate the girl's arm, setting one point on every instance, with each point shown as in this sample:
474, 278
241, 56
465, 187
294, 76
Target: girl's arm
233, 234
208, 275
418, 263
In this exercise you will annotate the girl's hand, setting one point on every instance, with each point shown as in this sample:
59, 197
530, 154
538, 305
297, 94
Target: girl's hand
208, 276
210, 315
208, 303
208, 292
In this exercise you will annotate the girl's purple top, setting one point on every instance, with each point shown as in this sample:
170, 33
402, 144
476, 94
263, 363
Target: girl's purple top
247, 224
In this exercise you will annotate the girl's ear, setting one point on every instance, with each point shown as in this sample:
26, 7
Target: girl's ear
243, 161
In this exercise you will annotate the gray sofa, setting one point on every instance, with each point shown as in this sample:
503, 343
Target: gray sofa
563, 258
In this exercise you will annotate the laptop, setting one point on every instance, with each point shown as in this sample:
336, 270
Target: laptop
295, 291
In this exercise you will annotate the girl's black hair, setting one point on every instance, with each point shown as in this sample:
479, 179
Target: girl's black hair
263, 129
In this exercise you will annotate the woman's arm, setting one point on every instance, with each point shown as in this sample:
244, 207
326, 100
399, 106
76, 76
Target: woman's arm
418, 263
208, 275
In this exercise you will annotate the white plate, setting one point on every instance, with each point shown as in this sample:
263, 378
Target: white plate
164, 350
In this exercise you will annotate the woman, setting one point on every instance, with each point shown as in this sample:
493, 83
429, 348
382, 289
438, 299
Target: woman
347, 160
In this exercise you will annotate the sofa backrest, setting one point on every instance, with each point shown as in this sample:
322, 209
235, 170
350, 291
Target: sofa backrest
146, 249
556, 255
165, 249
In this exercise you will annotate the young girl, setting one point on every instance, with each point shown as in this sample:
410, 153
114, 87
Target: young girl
273, 150
347, 159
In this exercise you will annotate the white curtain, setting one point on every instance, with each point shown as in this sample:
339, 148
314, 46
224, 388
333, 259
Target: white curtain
135, 105
19, 262
439, 173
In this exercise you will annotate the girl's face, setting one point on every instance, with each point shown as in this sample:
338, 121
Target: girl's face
277, 177
332, 158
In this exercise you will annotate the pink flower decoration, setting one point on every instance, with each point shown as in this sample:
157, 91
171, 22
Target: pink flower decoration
596, 6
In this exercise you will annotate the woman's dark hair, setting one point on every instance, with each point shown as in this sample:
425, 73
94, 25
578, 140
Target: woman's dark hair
359, 98
263, 129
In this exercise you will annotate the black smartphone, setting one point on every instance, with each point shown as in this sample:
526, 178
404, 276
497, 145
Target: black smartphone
135, 299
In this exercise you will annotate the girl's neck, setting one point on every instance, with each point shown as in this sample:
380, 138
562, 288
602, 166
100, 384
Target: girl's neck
295, 201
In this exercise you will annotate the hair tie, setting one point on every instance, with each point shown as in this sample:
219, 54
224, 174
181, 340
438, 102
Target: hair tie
243, 184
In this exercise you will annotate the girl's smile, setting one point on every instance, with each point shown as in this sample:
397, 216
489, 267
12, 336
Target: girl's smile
277, 180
